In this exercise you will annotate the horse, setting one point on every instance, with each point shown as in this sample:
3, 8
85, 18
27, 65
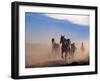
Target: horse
65, 47
73, 49
55, 46
82, 47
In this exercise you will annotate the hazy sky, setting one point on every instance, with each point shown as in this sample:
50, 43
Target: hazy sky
41, 27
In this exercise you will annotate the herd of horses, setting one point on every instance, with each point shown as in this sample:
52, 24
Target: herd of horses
66, 47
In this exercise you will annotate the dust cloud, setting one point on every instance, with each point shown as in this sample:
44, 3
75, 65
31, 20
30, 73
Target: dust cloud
40, 55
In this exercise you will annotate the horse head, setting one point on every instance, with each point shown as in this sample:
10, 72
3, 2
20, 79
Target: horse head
52, 40
62, 38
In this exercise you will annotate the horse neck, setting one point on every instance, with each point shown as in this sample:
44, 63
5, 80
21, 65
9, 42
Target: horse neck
62, 41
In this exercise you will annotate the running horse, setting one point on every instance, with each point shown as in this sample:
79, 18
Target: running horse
55, 47
82, 47
65, 46
73, 49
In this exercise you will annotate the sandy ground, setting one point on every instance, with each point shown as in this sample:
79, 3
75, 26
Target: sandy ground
41, 56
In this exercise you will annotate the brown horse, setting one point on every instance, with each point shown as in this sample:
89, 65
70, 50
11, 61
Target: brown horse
73, 49
82, 47
55, 47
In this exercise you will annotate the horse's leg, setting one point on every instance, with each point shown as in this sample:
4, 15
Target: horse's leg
73, 54
62, 53
65, 55
70, 53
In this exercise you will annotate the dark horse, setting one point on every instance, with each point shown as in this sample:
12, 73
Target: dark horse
65, 47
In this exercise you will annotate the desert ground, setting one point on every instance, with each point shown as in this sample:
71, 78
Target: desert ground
41, 55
